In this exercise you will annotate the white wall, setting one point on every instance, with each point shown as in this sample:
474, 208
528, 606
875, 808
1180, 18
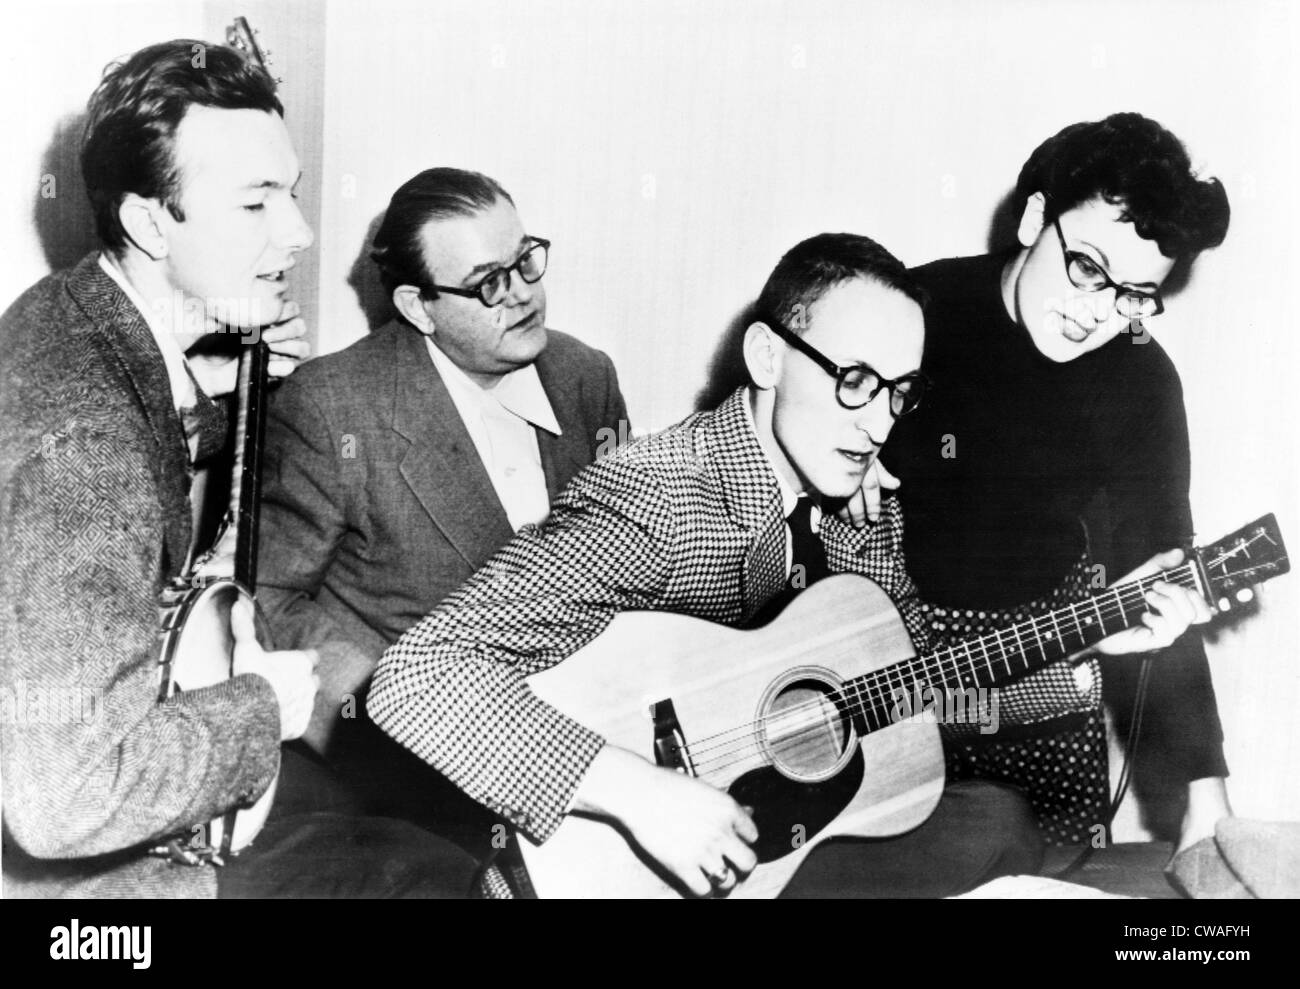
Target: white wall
673, 150
57, 58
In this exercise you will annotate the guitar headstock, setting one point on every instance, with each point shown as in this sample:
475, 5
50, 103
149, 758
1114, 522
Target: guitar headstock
243, 38
1251, 555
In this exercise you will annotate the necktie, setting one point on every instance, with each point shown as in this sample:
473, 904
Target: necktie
809, 557
808, 564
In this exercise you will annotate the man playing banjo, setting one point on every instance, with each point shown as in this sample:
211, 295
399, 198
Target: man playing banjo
107, 410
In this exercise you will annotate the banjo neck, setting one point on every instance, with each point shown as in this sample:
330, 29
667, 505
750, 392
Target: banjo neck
246, 482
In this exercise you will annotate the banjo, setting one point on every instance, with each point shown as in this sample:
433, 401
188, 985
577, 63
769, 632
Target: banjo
195, 645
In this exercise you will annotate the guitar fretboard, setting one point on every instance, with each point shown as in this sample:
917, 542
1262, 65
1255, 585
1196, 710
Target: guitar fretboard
874, 699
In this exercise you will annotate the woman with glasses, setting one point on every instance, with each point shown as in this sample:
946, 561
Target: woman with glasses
1051, 404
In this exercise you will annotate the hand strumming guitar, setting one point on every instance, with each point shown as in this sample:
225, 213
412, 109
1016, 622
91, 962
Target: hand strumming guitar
696, 832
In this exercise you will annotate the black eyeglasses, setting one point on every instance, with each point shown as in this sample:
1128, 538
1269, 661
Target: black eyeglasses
1084, 273
492, 288
858, 384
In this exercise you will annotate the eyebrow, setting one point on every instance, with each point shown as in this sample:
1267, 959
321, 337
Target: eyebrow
487, 266
1106, 263
272, 184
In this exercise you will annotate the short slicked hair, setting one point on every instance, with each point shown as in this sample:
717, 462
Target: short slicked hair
814, 266
128, 145
434, 194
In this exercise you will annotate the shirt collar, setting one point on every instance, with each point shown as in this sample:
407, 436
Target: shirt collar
183, 394
519, 392
789, 496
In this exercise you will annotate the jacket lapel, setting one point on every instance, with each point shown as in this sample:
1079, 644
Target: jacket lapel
126, 338
756, 507
442, 466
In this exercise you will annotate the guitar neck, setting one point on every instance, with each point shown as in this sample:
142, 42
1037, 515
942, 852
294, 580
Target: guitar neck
246, 486
1006, 655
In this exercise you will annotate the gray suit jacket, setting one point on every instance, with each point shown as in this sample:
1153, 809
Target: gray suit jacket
94, 519
376, 505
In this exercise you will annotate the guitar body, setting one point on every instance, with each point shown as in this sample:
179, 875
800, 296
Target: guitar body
783, 747
196, 649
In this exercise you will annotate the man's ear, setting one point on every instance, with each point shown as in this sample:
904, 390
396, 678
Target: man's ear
763, 355
139, 218
1032, 219
409, 301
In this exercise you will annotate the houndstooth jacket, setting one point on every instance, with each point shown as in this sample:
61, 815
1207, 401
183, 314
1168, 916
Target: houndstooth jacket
687, 521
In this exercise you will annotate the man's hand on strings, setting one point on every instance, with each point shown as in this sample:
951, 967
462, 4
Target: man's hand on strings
696, 832
1174, 608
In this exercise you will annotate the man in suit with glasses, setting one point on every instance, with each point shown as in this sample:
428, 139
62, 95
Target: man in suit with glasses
399, 465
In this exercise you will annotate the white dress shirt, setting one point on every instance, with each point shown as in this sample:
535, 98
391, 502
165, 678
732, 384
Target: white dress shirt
500, 423
789, 496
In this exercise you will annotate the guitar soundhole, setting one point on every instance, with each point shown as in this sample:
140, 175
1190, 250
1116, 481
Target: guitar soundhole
805, 732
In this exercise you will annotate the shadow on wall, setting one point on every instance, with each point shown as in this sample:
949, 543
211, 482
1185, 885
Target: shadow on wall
363, 278
61, 213
727, 366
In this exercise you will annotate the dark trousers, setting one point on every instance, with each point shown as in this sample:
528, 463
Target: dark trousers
978, 831
337, 856
319, 843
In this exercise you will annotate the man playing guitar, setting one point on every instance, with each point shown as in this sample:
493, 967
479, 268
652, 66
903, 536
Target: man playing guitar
694, 521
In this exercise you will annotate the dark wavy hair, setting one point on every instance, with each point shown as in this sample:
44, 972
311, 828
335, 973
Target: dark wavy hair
814, 266
1130, 161
434, 194
130, 133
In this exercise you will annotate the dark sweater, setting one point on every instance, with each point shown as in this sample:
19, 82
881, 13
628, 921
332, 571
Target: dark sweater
1005, 456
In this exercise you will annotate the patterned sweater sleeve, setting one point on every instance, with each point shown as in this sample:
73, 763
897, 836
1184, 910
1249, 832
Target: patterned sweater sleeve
876, 551
452, 689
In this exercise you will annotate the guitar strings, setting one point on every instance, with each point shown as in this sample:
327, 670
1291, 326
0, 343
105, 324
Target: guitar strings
881, 678
741, 742
819, 708
794, 734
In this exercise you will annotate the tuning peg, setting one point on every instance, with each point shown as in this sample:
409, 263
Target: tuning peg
1245, 594
1225, 604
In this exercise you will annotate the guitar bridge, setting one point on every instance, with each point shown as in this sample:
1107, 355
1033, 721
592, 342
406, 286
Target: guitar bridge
670, 743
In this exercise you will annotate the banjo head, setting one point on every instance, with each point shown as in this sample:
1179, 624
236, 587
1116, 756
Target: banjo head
200, 647
198, 650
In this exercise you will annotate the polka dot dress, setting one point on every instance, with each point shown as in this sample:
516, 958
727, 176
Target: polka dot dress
1051, 735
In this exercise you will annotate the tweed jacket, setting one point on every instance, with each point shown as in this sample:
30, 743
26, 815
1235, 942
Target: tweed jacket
689, 521
94, 519
376, 504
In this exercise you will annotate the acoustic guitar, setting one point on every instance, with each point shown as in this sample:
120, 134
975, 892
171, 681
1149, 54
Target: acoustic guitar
812, 721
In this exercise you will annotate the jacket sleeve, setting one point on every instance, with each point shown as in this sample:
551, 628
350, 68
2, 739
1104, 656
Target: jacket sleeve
91, 762
452, 688
305, 506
